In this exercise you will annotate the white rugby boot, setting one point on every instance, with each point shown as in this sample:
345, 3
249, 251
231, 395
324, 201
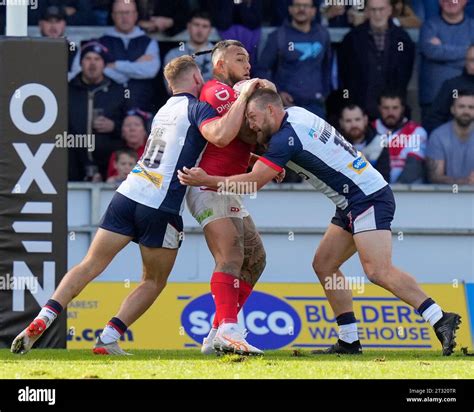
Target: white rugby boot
207, 347
231, 339
26, 338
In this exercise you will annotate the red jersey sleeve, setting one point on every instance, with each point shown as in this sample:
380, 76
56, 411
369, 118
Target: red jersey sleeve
219, 95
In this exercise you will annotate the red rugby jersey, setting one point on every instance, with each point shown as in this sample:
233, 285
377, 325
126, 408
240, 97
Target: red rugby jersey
234, 158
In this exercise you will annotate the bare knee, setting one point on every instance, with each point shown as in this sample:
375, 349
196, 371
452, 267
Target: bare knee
155, 284
322, 268
378, 275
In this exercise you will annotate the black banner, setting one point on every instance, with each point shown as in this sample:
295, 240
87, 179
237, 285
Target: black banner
33, 182
330, 395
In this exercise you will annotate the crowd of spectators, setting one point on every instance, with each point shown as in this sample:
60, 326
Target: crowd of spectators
359, 85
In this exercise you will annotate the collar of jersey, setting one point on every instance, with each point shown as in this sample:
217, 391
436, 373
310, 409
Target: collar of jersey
184, 94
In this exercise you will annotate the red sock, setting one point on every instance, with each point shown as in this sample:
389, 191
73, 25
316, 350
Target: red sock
225, 290
244, 292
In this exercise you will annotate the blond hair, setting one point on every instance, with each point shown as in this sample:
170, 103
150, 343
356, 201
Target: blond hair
177, 68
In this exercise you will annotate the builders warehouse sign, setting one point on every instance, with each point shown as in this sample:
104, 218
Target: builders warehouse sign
33, 182
277, 316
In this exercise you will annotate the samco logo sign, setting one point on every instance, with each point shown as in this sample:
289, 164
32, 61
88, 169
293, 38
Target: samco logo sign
271, 322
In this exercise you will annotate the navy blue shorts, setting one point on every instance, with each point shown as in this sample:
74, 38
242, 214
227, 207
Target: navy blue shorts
373, 213
147, 226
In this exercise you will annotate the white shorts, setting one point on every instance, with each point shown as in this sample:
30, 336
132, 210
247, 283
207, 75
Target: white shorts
207, 205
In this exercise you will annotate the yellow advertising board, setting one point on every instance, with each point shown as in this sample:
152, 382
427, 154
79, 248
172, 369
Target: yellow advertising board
277, 316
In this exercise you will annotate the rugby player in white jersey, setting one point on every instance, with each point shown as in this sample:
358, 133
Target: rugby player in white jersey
147, 207
365, 208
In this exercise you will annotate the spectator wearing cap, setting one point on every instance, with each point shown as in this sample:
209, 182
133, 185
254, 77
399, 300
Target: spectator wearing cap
96, 108
78, 12
135, 128
52, 24
444, 40
406, 139
440, 111
450, 150
297, 58
374, 56
354, 126
199, 28
163, 16
134, 57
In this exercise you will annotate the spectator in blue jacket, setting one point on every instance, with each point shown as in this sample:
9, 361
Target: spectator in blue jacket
297, 58
426, 9
443, 44
136, 57
440, 111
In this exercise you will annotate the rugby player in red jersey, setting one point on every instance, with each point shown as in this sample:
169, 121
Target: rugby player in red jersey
229, 230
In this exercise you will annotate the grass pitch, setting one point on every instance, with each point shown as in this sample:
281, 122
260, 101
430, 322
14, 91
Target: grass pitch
190, 364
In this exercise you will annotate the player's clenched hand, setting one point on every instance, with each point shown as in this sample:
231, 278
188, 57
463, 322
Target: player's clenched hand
267, 84
192, 177
280, 176
250, 86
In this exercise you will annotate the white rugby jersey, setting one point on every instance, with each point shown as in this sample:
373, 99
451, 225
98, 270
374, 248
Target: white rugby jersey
316, 151
175, 142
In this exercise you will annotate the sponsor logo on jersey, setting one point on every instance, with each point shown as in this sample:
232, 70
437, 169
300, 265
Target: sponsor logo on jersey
222, 95
224, 107
204, 215
234, 209
153, 177
313, 134
271, 322
358, 165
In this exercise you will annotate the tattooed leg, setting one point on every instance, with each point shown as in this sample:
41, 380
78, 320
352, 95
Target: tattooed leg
254, 253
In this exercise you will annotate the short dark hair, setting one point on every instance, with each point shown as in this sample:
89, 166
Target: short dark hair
266, 96
126, 151
351, 106
392, 94
463, 93
224, 44
200, 14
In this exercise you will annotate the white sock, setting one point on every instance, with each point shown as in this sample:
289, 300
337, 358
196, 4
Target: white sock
226, 327
432, 314
109, 335
48, 315
348, 333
